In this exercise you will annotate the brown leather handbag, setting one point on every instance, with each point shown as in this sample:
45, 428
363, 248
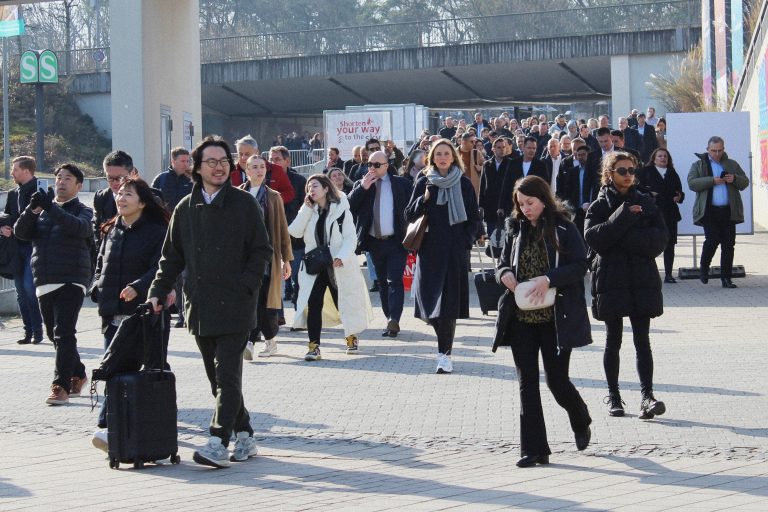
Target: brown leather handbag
414, 235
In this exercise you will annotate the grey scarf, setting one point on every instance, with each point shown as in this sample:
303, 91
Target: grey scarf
449, 192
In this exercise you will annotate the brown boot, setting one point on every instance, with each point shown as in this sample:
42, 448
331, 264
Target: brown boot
77, 386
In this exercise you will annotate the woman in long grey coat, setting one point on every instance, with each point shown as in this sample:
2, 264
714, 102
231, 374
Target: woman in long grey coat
448, 200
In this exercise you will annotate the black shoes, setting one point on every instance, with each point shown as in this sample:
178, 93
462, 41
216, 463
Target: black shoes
375, 287
704, 274
29, 338
392, 330
727, 283
583, 438
615, 404
532, 460
650, 407
669, 279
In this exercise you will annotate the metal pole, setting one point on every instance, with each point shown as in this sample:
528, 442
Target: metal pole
40, 126
6, 122
695, 257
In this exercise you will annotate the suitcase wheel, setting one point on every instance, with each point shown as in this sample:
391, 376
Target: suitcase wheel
175, 459
114, 463
138, 464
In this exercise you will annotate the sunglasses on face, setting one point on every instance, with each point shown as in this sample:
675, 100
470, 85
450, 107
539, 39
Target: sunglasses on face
376, 165
623, 171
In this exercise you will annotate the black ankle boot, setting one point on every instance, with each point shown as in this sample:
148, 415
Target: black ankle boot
650, 407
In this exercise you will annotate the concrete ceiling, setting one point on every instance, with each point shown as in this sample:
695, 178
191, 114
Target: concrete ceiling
540, 81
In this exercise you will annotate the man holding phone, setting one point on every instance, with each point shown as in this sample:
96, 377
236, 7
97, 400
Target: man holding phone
23, 174
717, 181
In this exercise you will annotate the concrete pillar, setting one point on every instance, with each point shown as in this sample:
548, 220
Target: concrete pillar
155, 69
621, 88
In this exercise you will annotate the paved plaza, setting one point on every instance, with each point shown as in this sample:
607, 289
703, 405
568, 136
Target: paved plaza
381, 431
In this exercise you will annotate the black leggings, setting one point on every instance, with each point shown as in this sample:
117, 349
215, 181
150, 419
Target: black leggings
315, 305
669, 259
445, 328
613, 331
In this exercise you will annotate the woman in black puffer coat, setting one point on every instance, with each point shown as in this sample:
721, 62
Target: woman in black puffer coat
127, 263
625, 231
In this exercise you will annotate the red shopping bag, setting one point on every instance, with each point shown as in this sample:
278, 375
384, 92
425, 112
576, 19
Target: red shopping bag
410, 268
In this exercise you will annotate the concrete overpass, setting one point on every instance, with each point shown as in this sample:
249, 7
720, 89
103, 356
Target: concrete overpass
598, 53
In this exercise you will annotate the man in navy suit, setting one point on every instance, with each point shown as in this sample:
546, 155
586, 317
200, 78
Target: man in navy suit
520, 168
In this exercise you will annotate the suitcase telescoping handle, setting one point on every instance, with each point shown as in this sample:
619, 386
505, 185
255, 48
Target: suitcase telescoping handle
153, 322
480, 251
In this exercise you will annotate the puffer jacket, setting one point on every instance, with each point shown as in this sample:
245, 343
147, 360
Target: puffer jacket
623, 247
128, 257
62, 240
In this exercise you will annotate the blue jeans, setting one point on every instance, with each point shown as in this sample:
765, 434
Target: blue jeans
371, 267
25, 295
389, 258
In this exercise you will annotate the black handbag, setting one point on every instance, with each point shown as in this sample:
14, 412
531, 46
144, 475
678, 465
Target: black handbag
317, 260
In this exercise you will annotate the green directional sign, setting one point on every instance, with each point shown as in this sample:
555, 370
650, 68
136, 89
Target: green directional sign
48, 67
29, 72
39, 67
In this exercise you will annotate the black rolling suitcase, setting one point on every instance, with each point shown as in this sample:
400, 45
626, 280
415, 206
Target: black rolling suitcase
488, 290
141, 408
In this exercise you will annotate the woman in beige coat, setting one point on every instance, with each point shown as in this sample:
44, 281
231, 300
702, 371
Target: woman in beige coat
270, 297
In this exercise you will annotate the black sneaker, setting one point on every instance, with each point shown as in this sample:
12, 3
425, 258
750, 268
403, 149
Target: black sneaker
650, 407
615, 404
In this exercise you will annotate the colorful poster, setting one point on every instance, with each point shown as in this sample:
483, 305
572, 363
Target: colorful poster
762, 91
706, 45
10, 24
737, 41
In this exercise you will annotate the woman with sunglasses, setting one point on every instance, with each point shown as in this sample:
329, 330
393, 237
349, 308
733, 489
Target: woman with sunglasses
625, 232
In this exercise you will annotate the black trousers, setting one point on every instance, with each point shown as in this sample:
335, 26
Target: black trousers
535, 338
719, 230
445, 329
266, 319
315, 305
613, 331
60, 309
223, 360
669, 258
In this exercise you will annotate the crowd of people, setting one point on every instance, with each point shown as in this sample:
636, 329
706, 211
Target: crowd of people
228, 238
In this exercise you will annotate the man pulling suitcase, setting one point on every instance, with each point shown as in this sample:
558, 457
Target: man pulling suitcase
217, 234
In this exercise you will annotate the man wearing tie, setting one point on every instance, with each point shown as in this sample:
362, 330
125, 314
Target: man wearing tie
520, 168
378, 202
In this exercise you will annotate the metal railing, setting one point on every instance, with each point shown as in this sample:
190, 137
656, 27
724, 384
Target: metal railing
635, 17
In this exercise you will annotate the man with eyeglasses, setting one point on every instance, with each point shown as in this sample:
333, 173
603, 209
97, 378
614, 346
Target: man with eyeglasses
117, 165
378, 203
718, 182
217, 234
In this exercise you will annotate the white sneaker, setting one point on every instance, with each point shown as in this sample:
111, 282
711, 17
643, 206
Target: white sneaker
270, 348
245, 447
248, 352
100, 439
212, 454
444, 363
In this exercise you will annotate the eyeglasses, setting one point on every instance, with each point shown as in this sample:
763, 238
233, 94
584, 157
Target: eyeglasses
376, 165
115, 179
623, 171
213, 163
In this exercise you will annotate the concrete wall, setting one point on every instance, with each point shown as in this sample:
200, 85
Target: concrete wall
629, 75
158, 47
751, 104
99, 107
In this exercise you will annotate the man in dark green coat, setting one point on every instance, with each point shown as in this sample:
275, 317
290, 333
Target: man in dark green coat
217, 234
